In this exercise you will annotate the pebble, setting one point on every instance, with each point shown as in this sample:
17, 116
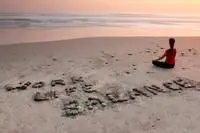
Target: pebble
38, 84
57, 82
38, 97
9, 87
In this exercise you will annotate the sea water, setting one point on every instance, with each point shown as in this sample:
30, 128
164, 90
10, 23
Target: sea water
18, 28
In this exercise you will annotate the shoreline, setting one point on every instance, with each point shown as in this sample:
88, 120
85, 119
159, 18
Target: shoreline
102, 37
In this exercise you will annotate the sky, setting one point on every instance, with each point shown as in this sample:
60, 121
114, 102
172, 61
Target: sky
101, 6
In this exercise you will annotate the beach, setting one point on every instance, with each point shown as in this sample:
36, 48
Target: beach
104, 62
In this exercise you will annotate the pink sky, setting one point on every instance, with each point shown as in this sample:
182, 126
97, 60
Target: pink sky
101, 6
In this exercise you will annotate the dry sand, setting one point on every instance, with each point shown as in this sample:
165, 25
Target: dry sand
105, 60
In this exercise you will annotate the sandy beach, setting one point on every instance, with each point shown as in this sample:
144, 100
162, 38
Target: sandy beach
104, 64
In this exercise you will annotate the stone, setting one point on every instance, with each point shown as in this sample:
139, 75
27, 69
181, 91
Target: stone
54, 59
58, 82
194, 53
27, 83
182, 54
103, 104
38, 97
23, 87
89, 90
70, 90
71, 113
80, 109
38, 84
127, 72
9, 87
90, 107
51, 94
131, 95
76, 80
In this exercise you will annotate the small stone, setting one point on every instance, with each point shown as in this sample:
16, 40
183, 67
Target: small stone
90, 90
94, 102
131, 95
130, 54
71, 113
27, 83
103, 104
183, 68
90, 107
23, 87
38, 84
38, 97
51, 94
182, 54
77, 79
9, 87
128, 72
158, 119
106, 63
194, 53
70, 90
54, 59
57, 82
80, 109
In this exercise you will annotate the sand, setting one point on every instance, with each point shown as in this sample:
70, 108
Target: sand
108, 61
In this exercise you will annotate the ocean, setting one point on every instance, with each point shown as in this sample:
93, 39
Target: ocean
64, 26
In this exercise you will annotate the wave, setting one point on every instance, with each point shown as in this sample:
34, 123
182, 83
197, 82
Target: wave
96, 20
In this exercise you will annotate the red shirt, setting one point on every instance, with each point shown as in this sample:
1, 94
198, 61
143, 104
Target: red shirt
170, 56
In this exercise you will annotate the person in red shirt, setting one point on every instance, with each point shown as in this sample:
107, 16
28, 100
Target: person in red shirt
169, 54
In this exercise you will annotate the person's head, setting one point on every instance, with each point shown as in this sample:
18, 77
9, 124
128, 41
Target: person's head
171, 43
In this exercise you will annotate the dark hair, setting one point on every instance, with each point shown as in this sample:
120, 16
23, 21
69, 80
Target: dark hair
171, 42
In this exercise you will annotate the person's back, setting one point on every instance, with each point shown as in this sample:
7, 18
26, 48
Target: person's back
170, 56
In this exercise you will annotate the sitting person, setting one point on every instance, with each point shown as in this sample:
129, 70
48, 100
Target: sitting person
170, 55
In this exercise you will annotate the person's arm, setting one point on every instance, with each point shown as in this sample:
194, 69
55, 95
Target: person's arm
162, 57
